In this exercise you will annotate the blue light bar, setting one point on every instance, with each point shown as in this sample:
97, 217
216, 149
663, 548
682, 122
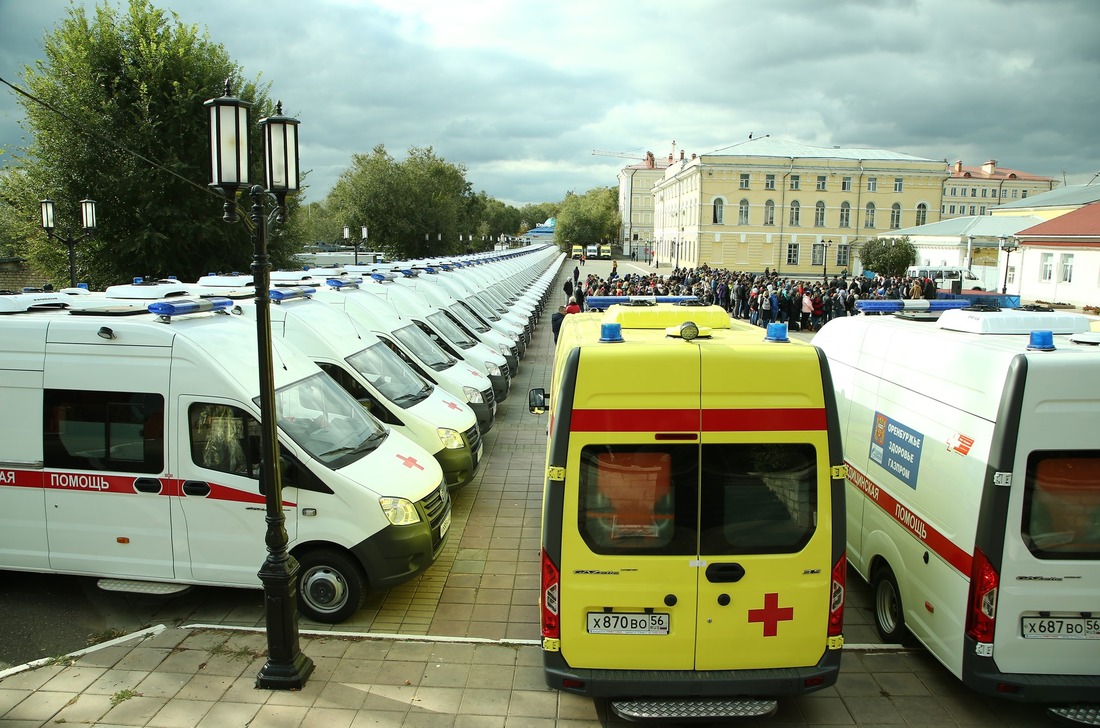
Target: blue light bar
187, 306
919, 304
335, 283
601, 303
279, 295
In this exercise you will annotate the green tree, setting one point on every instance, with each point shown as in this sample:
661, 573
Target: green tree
888, 256
588, 218
122, 121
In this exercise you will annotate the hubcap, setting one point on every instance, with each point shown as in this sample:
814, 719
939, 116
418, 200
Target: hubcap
323, 589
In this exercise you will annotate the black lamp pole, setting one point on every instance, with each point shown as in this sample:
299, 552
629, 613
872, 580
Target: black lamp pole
287, 668
1009, 248
87, 222
825, 261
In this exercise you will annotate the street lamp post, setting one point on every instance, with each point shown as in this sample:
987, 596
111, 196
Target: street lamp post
362, 241
1008, 244
825, 261
87, 222
287, 668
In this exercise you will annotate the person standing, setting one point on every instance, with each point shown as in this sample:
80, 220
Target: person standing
555, 321
568, 288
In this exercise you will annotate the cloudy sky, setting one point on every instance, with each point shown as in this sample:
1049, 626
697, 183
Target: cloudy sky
522, 91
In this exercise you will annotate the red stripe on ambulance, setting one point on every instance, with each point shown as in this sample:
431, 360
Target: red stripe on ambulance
918, 527
689, 420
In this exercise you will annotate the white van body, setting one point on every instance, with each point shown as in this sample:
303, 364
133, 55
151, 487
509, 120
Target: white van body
426, 287
380, 380
411, 305
506, 324
973, 491
416, 348
500, 291
946, 275
129, 450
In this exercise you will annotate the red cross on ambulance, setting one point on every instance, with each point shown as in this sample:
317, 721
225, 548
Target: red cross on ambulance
410, 461
771, 614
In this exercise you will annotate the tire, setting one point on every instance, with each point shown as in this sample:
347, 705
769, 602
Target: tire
331, 585
886, 600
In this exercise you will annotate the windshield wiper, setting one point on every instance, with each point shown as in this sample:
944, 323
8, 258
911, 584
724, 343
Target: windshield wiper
372, 442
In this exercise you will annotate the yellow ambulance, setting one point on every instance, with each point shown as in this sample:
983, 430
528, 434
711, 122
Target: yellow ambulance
578, 252
693, 514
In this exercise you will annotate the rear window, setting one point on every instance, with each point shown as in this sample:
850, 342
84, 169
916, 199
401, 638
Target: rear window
686, 499
1061, 518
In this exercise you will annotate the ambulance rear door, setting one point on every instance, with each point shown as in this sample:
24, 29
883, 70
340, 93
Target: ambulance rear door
629, 522
1047, 612
766, 535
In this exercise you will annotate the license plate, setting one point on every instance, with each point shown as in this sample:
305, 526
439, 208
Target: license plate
443, 527
627, 623
1061, 628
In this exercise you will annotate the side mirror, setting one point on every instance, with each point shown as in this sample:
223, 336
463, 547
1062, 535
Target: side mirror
536, 401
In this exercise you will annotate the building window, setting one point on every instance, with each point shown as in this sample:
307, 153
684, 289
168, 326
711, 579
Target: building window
954, 191
1023, 194
1067, 268
719, 212
1015, 193
769, 213
769, 182
973, 210
869, 218
846, 184
922, 214
796, 182
817, 256
744, 181
792, 253
952, 209
1046, 267
895, 216
821, 183
899, 184
845, 215
981, 210
819, 214
872, 184
743, 212
985, 192
796, 213
973, 191
843, 251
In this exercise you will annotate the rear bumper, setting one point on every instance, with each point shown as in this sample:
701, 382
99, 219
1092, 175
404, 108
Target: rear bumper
982, 675
777, 682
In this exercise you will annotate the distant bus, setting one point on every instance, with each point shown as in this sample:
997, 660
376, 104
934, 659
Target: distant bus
578, 251
605, 252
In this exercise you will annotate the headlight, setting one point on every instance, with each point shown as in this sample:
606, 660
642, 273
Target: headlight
473, 396
493, 369
451, 439
513, 335
505, 349
399, 511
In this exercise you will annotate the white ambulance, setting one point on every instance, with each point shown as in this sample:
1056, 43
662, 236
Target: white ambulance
973, 489
390, 390
130, 450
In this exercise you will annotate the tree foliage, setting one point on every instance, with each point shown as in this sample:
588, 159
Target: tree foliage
123, 123
588, 218
888, 256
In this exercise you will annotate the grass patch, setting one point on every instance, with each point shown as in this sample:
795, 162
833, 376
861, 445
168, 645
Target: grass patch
123, 695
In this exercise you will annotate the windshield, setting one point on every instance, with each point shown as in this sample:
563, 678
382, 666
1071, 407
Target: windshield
455, 335
326, 421
495, 301
476, 304
466, 316
390, 375
423, 348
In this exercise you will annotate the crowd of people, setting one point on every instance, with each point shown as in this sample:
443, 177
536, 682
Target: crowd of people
804, 305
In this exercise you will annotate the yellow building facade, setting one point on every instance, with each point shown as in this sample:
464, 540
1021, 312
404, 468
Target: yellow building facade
788, 207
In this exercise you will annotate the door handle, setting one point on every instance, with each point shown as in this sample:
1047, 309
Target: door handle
196, 487
722, 573
147, 485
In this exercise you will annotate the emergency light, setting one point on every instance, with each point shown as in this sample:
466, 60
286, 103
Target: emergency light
893, 306
278, 295
1041, 341
611, 333
341, 284
168, 309
776, 332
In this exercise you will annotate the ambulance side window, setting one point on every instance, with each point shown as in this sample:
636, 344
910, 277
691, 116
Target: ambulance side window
1061, 515
639, 499
758, 498
224, 438
120, 431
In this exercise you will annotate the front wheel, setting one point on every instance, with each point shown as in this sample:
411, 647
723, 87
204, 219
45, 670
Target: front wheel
331, 585
889, 615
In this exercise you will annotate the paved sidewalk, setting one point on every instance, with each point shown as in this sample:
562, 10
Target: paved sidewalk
454, 648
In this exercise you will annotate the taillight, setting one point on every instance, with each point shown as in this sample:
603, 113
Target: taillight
836, 597
980, 617
548, 598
